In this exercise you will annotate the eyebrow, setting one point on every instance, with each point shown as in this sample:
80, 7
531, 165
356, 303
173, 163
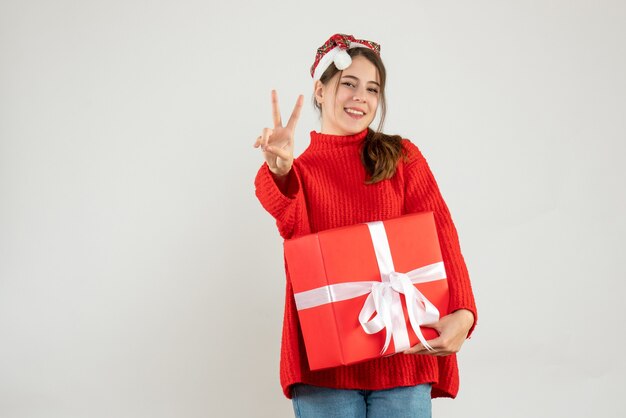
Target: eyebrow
357, 79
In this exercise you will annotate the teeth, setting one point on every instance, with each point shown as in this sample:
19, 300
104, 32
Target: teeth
356, 112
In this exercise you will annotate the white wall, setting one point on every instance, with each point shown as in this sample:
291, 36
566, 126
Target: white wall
139, 275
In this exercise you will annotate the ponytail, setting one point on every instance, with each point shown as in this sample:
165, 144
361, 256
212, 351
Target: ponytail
380, 155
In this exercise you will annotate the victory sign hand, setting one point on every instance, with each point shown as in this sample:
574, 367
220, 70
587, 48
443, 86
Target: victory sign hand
277, 142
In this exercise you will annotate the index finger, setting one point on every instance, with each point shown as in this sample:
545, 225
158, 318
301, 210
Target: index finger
275, 110
420, 349
295, 115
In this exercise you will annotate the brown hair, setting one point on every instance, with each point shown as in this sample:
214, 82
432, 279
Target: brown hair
380, 152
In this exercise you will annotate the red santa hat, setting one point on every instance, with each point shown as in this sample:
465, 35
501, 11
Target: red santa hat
334, 51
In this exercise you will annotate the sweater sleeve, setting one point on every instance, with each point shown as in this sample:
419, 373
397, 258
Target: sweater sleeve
287, 206
422, 194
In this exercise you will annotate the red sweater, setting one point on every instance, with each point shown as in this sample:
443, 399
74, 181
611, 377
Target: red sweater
325, 189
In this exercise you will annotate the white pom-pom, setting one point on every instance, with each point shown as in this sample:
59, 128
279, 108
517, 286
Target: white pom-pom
342, 60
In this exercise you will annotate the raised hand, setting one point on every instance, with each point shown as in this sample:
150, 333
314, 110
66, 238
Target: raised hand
277, 142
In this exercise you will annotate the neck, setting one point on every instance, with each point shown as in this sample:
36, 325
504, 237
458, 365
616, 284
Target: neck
322, 140
335, 131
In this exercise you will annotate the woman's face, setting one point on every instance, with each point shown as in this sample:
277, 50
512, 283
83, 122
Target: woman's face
352, 107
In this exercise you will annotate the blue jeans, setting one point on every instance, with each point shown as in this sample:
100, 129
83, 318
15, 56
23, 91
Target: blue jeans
400, 402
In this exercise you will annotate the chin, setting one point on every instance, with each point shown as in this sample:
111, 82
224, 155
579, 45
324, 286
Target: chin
352, 131
356, 128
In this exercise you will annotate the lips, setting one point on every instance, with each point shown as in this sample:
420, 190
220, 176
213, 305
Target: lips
354, 115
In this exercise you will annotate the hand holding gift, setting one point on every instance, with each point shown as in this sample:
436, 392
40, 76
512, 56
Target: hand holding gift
452, 331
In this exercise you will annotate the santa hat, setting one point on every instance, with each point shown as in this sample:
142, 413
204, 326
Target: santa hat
334, 51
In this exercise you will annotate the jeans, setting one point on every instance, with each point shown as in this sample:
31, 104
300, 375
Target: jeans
400, 402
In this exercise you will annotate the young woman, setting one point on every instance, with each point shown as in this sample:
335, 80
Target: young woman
352, 174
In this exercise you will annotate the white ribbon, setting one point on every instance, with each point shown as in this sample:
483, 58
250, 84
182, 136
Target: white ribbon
384, 296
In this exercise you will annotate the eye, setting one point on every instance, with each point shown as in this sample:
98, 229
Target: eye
374, 91
347, 83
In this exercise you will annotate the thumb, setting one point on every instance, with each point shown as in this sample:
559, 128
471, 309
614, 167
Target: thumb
278, 151
416, 348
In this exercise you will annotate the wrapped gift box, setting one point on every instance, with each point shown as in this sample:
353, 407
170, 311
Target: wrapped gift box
367, 290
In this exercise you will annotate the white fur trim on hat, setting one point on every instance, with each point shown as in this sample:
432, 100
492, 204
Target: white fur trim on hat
337, 55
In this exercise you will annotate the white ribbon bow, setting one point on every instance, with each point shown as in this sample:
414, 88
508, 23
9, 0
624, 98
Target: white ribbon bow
380, 300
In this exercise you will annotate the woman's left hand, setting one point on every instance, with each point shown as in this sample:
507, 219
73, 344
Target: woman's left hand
452, 329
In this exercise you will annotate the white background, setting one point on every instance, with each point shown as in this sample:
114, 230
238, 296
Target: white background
139, 275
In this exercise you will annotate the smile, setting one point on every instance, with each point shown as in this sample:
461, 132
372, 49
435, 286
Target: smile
357, 114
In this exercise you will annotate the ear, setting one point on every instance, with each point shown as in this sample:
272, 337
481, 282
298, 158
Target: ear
318, 91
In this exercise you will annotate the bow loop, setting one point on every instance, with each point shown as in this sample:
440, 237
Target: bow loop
381, 302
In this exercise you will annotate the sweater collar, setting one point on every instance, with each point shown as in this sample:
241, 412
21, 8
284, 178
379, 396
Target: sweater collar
327, 141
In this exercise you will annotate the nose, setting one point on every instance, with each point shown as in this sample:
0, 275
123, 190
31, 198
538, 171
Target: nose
359, 94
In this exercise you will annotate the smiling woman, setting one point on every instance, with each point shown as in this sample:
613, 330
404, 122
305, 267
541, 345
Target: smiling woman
351, 96
378, 177
354, 91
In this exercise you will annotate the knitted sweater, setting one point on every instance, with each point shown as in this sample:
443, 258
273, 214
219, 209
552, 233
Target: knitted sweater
325, 189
